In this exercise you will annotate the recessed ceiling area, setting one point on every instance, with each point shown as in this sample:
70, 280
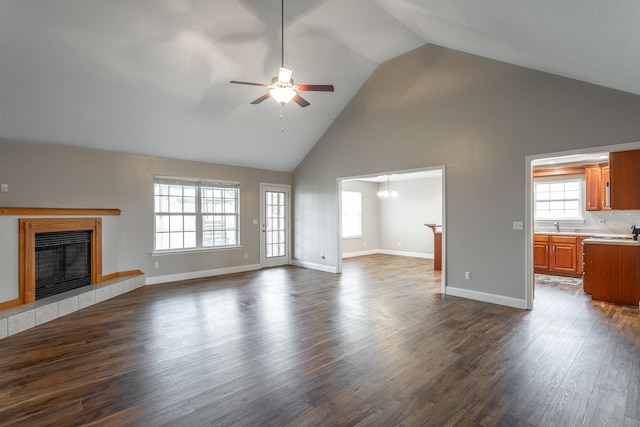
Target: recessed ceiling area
153, 77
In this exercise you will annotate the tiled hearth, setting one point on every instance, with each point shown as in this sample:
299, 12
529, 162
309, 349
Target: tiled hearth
26, 316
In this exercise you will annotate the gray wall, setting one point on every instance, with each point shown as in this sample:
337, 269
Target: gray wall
478, 117
47, 175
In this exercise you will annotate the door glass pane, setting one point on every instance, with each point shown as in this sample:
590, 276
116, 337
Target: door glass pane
275, 209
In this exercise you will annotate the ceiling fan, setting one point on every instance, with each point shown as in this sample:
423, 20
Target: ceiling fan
282, 87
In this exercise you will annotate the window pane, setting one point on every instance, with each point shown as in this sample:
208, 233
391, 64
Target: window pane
190, 223
175, 240
175, 223
162, 223
190, 240
189, 204
162, 241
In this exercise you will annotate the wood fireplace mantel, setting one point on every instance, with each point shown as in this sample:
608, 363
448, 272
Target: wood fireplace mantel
27, 255
59, 211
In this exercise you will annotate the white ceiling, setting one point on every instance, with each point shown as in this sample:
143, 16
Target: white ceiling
151, 76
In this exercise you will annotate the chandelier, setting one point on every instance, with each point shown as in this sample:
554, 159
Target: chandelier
386, 191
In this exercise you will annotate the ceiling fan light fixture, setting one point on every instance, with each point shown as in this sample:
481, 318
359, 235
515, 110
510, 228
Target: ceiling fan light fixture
282, 94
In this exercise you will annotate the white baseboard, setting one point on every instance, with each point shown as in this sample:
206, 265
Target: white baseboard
360, 253
199, 274
409, 254
387, 252
485, 297
314, 266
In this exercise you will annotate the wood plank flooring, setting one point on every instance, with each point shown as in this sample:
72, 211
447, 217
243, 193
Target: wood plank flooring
378, 345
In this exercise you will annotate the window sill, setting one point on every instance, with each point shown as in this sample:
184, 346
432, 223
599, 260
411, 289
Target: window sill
196, 250
352, 237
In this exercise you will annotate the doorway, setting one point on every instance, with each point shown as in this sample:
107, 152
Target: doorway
562, 264
275, 235
396, 208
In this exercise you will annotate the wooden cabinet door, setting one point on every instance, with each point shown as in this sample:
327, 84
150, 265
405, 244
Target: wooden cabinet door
540, 256
564, 257
593, 191
624, 171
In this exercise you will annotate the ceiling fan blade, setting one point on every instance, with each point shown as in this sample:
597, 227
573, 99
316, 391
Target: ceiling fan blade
300, 101
317, 88
248, 83
262, 98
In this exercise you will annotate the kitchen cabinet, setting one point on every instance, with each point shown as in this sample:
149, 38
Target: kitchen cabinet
540, 252
612, 271
596, 183
592, 192
557, 255
624, 171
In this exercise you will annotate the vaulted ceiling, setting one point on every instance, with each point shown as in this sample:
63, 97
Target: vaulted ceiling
152, 76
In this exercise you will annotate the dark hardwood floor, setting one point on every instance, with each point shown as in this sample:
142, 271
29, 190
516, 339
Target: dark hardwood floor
378, 345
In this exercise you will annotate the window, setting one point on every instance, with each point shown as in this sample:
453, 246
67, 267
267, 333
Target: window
351, 214
558, 199
195, 214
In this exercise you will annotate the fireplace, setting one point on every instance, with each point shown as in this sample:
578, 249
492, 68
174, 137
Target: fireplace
63, 262
57, 255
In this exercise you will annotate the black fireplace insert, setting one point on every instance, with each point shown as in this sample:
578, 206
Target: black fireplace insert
63, 261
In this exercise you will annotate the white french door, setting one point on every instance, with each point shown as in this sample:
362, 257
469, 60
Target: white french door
275, 235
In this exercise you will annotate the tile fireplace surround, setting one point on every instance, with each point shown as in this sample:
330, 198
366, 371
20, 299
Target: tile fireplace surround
26, 316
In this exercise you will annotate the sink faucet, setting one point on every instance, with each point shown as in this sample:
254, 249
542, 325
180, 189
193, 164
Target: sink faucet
557, 224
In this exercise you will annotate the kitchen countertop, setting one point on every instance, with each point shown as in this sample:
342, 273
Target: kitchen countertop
585, 233
611, 241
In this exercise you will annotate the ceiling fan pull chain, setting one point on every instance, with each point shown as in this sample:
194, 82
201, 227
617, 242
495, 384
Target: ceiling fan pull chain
282, 117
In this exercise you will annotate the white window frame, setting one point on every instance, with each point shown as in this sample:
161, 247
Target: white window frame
348, 213
212, 198
544, 200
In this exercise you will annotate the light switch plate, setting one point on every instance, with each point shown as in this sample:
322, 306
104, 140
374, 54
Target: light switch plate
518, 225
4, 188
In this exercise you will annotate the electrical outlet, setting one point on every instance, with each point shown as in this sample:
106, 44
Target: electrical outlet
467, 275
601, 221
156, 264
246, 256
518, 225
4, 188
321, 255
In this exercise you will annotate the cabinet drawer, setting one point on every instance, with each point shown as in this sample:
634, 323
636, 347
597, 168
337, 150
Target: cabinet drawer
543, 238
564, 239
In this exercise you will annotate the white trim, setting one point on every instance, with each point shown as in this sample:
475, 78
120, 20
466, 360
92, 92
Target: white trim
485, 297
360, 253
407, 254
200, 274
387, 252
314, 266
